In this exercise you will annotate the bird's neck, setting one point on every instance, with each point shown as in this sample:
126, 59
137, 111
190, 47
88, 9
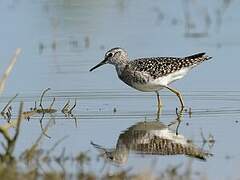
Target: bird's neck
120, 68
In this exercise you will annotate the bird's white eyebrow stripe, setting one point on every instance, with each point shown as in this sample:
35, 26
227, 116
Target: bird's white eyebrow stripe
107, 53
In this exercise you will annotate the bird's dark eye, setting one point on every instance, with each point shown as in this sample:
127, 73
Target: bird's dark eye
110, 54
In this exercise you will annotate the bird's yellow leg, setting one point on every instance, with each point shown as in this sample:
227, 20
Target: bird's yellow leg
178, 95
159, 100
159, 105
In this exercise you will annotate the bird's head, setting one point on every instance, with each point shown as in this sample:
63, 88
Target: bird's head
115, 56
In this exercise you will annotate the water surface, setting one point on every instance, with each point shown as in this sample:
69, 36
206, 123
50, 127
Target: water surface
62, 40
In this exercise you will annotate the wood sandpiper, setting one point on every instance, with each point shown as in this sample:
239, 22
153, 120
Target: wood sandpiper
153, 73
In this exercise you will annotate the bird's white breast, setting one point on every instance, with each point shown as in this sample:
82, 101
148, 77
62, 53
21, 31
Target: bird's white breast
161, 82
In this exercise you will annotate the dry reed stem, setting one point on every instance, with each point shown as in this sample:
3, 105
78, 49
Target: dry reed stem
9, 69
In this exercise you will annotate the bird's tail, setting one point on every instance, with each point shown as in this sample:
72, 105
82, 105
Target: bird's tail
198, 58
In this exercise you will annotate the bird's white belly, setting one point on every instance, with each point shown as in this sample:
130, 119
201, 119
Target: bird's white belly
148, 87
161, 82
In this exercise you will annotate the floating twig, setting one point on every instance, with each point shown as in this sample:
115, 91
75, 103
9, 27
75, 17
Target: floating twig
65, 108
70, 111
43, 112
6, 112
9, 113
41, 98
67, 111
51, 105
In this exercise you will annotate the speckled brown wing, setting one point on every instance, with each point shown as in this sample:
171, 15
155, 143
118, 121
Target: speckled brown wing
162, 66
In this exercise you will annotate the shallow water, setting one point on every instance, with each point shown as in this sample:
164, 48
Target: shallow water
62, 40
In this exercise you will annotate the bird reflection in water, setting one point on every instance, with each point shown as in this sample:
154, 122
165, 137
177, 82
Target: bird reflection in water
151, 138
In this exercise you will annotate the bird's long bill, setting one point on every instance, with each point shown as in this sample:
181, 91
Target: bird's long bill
99, 64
